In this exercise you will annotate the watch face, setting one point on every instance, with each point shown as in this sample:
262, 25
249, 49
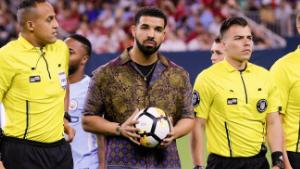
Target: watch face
279, 163
118, 131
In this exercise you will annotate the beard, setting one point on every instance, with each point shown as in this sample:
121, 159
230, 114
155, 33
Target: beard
147, 50
73, 68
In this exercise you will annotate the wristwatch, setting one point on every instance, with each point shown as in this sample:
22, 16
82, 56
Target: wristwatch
199, 167
277, 157
118, 130
279, 164
67, 116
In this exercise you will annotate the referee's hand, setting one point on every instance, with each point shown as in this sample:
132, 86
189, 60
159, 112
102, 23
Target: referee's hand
69, 131
1, 165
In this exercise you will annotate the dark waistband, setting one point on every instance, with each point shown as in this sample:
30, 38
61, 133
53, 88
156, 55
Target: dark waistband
292, 152
259, 155
31, 142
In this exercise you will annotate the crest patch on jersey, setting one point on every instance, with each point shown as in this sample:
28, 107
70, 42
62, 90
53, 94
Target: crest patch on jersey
196, 98
73, 105
262, 105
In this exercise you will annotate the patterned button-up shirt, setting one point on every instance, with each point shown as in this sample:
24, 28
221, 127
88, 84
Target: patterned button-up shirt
117, 89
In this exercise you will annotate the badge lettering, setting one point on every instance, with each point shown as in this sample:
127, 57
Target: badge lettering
232, 101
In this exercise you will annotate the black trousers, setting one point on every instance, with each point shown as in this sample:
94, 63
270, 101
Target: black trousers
218, 162
25, 154
294, 159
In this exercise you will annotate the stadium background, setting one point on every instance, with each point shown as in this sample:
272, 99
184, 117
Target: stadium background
193, 24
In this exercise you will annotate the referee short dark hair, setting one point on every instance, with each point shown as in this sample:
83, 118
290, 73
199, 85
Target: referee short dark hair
150, 11
24, 12
29, 3
230, 22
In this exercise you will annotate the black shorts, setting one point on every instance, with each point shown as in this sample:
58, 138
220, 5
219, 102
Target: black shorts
25, 154
218, 162
294, 159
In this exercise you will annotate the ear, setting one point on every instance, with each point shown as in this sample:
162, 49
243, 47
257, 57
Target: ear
298, 28
29, 26
133, 30
164, 36
223, 43
84, 59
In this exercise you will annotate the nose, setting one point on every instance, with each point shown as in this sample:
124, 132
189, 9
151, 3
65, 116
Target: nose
213, 58
151, 33
247, 42
55, 24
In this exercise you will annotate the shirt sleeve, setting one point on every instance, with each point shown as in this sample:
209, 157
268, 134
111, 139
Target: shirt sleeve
186, 95
94, 100
202, 96
6, 77
281, 83
67, 56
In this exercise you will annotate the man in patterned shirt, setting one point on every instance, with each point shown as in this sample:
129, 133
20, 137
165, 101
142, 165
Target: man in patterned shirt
140, 77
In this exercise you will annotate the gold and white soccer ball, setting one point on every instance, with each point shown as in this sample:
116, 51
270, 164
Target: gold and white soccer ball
153, 126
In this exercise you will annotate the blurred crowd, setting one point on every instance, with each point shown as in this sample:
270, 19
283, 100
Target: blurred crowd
193, 24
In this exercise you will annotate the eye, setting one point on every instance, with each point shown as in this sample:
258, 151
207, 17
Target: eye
219, 53
159, 29
72, 52
144, 27
50, 18
237, 37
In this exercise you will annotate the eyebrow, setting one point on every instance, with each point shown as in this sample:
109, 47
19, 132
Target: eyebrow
239, 36
145, 24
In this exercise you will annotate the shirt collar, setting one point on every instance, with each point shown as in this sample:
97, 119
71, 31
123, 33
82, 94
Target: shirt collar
25, 43
298, 49
230, 68
125, 57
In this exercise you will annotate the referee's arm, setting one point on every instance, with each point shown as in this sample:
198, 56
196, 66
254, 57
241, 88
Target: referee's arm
197, 142
287, 164
274, 132
67, 128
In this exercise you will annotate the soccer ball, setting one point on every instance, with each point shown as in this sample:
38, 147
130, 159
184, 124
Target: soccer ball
153, 126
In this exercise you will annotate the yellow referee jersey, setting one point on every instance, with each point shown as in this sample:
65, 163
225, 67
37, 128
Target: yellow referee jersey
32, 89
235, 104
287, 75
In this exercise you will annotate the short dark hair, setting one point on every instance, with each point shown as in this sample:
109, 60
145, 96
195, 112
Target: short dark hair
230, 22
86, 43
24, 8
150, 11
29, 3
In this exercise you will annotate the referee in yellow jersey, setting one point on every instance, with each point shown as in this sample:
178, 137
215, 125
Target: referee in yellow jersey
33, 82
238, 104
287, 75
